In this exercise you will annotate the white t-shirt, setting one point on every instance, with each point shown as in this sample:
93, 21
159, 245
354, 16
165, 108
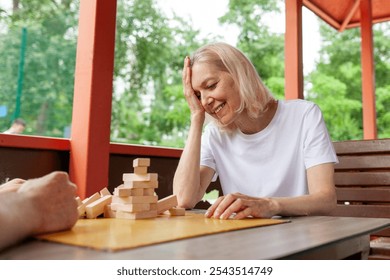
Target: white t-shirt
272, 162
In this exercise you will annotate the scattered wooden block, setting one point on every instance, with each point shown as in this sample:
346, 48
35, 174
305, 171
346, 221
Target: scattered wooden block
81, 210
96, 208
140, 184
80, 207
177, 211
134, 199
78, 200
91, 199
140, 177
141, 162
136, 216
129, 192
166, 203
104, 192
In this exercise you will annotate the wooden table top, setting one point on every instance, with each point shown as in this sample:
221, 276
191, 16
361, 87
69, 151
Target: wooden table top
301, 235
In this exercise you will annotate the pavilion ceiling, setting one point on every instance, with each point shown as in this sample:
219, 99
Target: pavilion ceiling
343, 14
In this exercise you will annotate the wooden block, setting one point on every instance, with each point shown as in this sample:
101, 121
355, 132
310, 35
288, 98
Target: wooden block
153, 206
142, 170
78, 200
147, 192
134, 199
129, 192
81, 210
141, 162
136, 216
166, 203
96, 208
108, 212
85, 202
140, 184
91, 199
133, 208
140, 177
104, 192
176, 211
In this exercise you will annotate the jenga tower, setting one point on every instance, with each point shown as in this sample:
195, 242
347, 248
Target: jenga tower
135, 198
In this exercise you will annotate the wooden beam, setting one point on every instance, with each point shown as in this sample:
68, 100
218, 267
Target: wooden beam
293, 50
34, 142
319, 12
368, 72
374, 21
90, 135
350, 14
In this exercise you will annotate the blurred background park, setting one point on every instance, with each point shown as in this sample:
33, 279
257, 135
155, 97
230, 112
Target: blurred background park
38, 41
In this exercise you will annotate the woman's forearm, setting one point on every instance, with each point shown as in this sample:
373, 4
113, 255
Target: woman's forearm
186, 182
315, 204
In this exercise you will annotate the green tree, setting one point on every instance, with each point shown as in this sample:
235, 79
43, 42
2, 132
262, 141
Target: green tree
49, 63
264, 48
148, 103
341, 122
336, 86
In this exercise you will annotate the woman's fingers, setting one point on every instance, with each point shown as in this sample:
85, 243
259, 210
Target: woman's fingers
239, 206
226, 202
224, 207
187, 78
210, 211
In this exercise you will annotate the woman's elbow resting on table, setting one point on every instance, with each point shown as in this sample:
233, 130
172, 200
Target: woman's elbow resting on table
186, 202
185, 196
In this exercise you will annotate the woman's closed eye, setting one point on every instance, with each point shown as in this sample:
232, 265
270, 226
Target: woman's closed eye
212, 86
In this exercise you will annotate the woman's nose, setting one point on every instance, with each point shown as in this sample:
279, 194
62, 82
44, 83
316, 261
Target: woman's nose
206, 100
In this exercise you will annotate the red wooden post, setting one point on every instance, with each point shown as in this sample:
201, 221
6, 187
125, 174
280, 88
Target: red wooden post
293, 72
368, 73
90, 136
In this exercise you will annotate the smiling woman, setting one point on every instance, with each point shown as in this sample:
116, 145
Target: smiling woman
219, 64
272, 157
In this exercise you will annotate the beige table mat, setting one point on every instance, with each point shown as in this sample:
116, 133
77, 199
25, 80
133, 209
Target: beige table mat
119, 234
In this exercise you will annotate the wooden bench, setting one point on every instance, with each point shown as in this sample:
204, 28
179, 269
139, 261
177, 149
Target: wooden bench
362, 180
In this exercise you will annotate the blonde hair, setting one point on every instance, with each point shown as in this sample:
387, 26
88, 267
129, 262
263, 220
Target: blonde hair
254, 95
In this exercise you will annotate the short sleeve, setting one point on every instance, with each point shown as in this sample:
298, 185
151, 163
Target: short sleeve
206, 155
318, 147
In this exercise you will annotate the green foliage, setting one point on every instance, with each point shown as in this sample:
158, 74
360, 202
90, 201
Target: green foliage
49, 64
264, 48
383, 111
336, 83
148, 105
339, 112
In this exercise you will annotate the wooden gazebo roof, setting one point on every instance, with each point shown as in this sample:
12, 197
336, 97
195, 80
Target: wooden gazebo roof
346, 13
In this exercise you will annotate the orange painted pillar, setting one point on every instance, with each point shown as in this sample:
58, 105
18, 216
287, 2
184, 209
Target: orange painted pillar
368, 71
293, 69
90, 134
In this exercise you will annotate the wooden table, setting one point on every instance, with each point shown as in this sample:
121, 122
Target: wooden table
316, 237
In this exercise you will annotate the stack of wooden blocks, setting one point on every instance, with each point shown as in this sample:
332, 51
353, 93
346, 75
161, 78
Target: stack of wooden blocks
134, 199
